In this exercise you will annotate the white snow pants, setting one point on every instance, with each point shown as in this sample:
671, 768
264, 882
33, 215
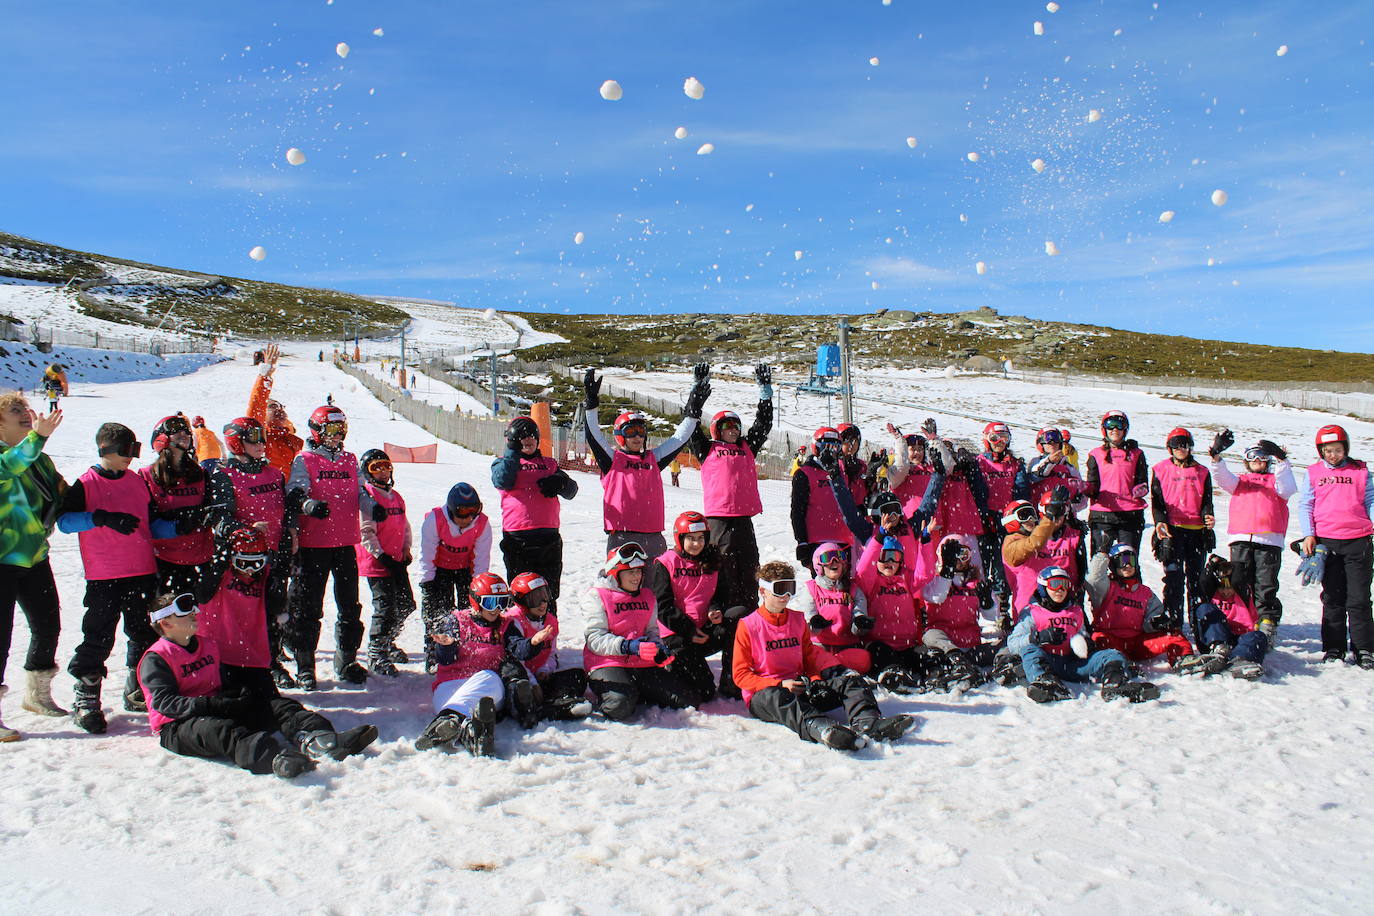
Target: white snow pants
462, 695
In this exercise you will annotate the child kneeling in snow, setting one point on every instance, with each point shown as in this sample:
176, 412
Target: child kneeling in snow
1051, 639
470, 646
1127, 615
192, 715
538, 688
1228, 627
788, 679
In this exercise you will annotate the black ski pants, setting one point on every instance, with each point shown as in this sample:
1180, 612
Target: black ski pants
621, 690
314, 567
177, 578
1104, 531
1183, 557
393, 601
1256, 567
33, 589
1345, 594
777, 704
107, 600
537, 550
733, 536
246, 739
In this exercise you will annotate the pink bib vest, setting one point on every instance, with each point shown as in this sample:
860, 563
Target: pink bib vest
1122, 612
236, 620
958, 513
633, 490
838, 608
259, 497
1001, 480
776, 648
196, 671
627, 616
957, 615
1060, 550
547, 659
1256, 507
190, 549
1062, 473
892, 603
1182, 486
479, 649
823, 519
913, 487
105, 553
1070, 618
730, 481
1116, 480
391, 532
1240, 617
1338, 500
523, 507
335, 482
693, 587
454, 551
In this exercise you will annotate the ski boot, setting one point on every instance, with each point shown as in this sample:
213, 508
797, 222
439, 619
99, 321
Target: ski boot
568, 709
477, 733
397, 654
1047, 689
1270, 628
281, 677
960, 675
1006, 669
291, 763
379, 661
38, 694
1115, 686
134, 700
353, 741
898, 680
1365, 660
347, 670
888, 728
1213, 661
1333, 655
834, 735
522, 704
1246, 670
442, 729
86, 711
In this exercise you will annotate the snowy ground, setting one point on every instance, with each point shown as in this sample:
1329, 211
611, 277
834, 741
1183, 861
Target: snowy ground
24, 365
435, 326
54, 307
1223, 797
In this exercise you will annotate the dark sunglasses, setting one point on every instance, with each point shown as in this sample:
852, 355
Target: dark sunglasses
123, 450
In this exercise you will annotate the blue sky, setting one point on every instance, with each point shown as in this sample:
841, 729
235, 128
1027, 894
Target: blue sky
457, 155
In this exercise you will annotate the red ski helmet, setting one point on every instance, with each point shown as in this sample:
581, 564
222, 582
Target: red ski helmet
995, 428
1180, 435
690, 522
1017, 515
849, 431
724, 416
248, 552
241, 430
1119, 415
625, 421
489, 591
329, 420
166, 428
530, 589
625, 557
824, 437
1332, 433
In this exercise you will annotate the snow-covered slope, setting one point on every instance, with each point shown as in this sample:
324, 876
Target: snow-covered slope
1222, 797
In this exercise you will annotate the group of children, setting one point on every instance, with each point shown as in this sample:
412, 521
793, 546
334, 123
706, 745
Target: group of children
218, 570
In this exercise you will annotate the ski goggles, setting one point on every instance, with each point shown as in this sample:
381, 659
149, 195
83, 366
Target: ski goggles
1052, 437
173, 425
181, 606
1179, 442
629, 555
1057, 582
123, 449
253, 434
493, 602
1024, 514
829, 557
334, 428
999, 436
250, 562
535, 596
379, 468
1114, 423
1254, 453
890, 556
1124, 560
780, 588
729, 423
464, 512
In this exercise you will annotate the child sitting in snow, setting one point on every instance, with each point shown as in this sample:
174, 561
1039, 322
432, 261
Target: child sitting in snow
538, 688
1127, 615
1228, 636
953, 599
836, 609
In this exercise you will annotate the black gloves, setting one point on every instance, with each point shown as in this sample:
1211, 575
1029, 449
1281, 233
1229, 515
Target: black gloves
763, 374
949, 555
1221, 442
804, 551
122, 522
963, 459
394, 566
315, 508
1058, 506
829, 460
1050, 636
378, 513
929, 428
937, 463
817, 622
1160, 622
862, 623
822, 696
591, 388
549, 486
230, 704
701, 389
1272, 450
984, 589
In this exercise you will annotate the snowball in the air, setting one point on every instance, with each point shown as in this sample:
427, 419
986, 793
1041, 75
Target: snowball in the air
873, 61
797, 255
1220, 197
1167, 216
748, 207
257, 252
680, 133
981, 268
1051, 248
1211, 262
1283, 49
341, 49
706, 149
378, 32
1052, 6
1094, 115
1038, 28
911, 142
875, 284
1038, 164
579, 238
295, 156
610, 91
973, 157
489, 314
692, 88
963, 217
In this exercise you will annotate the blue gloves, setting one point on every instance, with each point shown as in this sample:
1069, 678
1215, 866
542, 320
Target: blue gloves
1311, 568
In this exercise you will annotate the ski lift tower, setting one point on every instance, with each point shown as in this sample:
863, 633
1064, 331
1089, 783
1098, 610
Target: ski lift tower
832, 362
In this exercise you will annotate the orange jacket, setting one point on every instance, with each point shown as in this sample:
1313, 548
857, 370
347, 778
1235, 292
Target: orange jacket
282, 441
207, 444
814, 660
